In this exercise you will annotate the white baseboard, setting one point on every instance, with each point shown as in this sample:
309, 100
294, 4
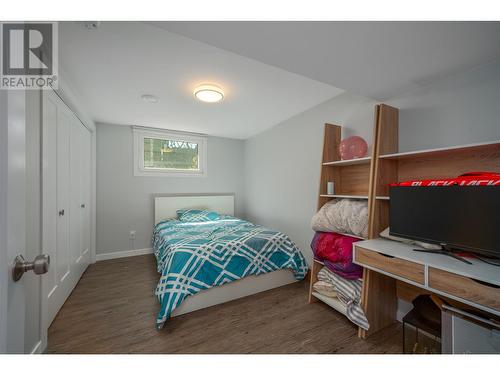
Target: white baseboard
123, 254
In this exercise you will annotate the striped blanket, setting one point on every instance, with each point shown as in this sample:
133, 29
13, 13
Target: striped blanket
349, 293
192, 257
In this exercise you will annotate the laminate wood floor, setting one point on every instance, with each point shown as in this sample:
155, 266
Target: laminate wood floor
113, 310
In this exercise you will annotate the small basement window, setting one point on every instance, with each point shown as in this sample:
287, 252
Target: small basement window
167, 153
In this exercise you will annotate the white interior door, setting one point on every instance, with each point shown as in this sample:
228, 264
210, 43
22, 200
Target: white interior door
35, 338
49, 188
12, 218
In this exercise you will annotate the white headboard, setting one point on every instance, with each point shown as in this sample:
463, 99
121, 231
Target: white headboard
166, 206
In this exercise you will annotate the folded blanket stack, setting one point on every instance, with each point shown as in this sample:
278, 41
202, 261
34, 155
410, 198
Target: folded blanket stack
347, 291
349, 216
335, 250
334, 224
325, 288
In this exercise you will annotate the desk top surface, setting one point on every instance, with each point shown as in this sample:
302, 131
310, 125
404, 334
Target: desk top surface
479, 270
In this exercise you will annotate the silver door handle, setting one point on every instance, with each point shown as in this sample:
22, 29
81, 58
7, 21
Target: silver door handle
39, 266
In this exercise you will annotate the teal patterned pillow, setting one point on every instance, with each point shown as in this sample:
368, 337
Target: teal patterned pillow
196, 216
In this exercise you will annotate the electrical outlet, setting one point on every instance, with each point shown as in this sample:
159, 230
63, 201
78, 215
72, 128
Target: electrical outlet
132, 235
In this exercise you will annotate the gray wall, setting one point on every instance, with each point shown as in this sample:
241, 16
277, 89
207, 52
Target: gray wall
125, 202
463, 108
280, 167
283, 164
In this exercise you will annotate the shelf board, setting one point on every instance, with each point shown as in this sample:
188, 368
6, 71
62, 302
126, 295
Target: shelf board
353, 235
445, 151
344, 196
344, 234
332, 302
380, 197
341, 163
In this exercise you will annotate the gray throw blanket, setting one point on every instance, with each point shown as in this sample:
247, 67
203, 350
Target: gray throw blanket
349, 293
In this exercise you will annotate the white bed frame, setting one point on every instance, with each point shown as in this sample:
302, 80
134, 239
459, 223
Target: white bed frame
165, 208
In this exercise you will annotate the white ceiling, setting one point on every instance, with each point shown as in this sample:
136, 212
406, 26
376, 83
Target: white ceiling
374, 59
112, 66
270, 71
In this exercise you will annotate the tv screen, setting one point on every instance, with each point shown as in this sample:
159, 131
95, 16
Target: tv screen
460, 217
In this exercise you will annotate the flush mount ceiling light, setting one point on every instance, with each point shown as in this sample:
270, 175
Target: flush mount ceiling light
149, 98
209, 93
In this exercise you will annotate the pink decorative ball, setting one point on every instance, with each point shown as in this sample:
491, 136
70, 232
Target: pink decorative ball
353, 148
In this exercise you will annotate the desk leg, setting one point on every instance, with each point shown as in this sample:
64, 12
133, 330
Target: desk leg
378, 300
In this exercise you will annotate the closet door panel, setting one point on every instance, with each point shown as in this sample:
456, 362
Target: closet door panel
75, 187
63, 258
66, 200
86, 184
80, 160
49, 189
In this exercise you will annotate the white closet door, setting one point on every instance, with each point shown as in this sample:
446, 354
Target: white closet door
61, 261
79, 228
49, 203
85, 195
65, 220
75, 160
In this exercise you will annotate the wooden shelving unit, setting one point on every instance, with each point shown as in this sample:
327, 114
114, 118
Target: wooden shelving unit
352, 180
369, 178
350, 177
392, 166
380, 292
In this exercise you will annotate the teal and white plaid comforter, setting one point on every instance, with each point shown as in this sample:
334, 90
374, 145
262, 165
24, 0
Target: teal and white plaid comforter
192, 257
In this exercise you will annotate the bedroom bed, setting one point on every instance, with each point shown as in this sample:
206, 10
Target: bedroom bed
206, 262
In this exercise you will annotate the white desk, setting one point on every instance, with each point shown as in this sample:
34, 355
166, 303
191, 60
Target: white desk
477, 285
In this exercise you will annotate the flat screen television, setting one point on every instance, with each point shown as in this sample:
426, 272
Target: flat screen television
464, 218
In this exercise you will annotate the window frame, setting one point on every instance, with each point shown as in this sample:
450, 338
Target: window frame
140, 170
